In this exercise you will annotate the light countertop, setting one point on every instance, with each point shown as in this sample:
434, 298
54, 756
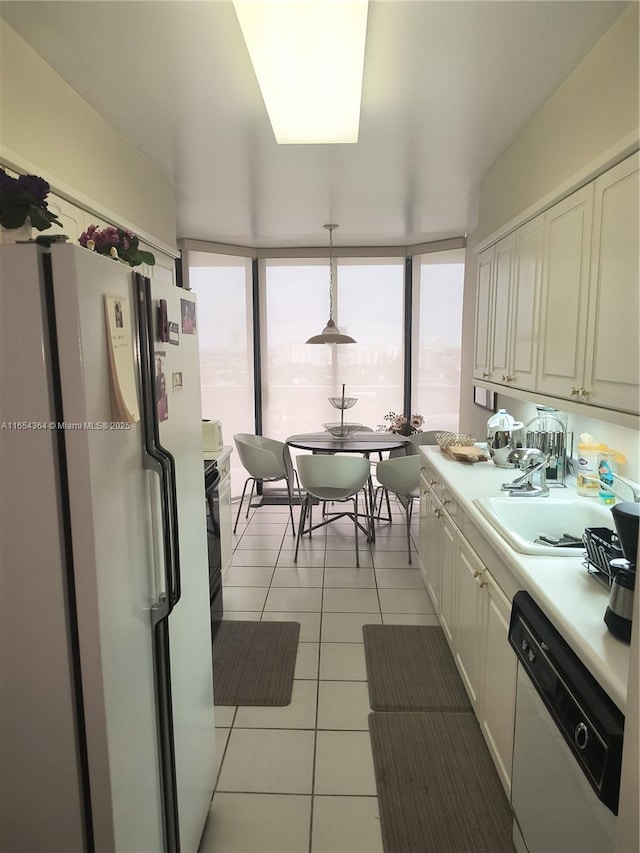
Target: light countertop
219, 455
573, 601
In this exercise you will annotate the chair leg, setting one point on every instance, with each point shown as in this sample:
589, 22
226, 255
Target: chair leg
290, 493
408, 514
241, 501
386, 494
253, 486
369, 512
297, 479
303, 515
355, 527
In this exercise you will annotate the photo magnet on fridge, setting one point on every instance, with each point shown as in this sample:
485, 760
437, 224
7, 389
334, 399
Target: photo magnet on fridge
163, 321
162, 401
188, 314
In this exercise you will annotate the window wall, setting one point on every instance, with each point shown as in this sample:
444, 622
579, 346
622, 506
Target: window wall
437, 338
299, 378
296, 379
371, 309
222, 285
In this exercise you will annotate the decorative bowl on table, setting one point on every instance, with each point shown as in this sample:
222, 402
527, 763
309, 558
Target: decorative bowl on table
343, 402
454, 439
343, 430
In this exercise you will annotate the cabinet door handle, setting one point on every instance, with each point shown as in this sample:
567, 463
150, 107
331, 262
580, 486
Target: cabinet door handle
486, 375
482, 583
573, 391
446, 501
583, 393
476, 573
433, 482
437, 512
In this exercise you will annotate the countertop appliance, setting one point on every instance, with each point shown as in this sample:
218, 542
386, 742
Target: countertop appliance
107, 720
214, 541
567, 750
619, 612
547, 432
504, 434
211, 436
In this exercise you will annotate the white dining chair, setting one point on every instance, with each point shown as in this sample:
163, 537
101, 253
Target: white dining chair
332, 478
266, 461
427, 437
401, 476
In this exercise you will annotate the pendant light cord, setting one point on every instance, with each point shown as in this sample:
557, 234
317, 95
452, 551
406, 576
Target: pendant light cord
330, 229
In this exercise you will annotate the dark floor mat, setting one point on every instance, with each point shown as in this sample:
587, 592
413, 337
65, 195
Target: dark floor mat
410, 668
438, 790
254, 662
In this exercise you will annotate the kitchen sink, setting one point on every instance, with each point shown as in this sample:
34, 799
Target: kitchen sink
522, 521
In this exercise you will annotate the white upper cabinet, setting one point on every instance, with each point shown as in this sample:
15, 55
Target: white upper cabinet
565, 285
507, 314
558, 300
483, 334
525, 302
500, 339
76, 219
612, 358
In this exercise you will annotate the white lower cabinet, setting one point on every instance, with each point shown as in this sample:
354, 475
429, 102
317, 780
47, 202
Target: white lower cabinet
474, 614
498, 679
469, 572
430, 544
447, 541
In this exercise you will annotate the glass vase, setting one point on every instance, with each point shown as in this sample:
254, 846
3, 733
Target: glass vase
16, 235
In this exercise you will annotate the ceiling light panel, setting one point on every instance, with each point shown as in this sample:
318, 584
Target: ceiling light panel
308, 57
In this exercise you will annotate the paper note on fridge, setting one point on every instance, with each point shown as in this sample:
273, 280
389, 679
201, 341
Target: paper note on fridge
123, 381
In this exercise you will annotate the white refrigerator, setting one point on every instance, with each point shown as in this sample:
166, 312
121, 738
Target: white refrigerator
106, 704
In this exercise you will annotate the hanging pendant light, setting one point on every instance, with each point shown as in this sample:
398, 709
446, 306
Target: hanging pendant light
331, 333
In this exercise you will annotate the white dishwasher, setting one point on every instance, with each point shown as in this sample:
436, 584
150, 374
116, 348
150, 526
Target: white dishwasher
567, 744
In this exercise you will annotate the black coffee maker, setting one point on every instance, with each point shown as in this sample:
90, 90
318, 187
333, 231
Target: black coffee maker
619, 613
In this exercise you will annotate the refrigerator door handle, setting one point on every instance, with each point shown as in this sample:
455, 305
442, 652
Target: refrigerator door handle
156, 458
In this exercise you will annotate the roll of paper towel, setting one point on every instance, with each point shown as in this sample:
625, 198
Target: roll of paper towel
211, 436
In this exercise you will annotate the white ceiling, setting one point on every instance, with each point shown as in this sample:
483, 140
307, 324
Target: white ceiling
448, 84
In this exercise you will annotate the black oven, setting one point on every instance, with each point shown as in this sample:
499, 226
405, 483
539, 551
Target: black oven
212, 499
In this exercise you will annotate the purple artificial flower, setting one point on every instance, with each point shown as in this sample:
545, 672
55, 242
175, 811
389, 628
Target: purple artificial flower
35, 187
116, 243
7, 183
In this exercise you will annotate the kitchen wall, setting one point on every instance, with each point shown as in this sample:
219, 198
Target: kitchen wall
589, 121
48, 129
627, 441
589, 115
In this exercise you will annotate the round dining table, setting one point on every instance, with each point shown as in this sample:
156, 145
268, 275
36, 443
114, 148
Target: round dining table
359, 442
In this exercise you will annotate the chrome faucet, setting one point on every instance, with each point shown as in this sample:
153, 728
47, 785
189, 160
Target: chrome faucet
635, 487
534, 462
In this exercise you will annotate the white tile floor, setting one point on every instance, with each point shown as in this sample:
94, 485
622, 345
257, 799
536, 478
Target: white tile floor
299, 778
